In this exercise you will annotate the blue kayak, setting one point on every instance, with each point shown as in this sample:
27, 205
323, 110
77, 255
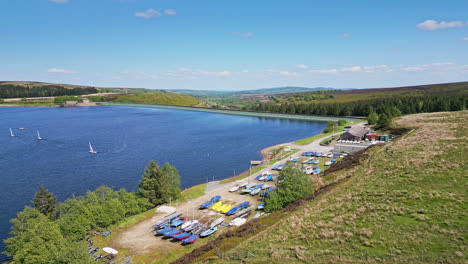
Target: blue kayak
266, 192
295, 160
181, 236
205, 205
243, 205
165, 230
258, 177
258, 186
173, 233
333, 160
269, 177
190, 240
336, 156
232, 211
311, 161
215, 199
317, 170
318, 154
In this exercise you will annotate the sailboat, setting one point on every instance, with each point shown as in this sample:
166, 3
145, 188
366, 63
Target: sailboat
38, 136
91, 150
11, 133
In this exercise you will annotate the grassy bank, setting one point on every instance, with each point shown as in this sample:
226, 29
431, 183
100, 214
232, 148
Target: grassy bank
309, 140
155, 98
405, 207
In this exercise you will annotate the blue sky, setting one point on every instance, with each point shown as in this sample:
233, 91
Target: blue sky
234, 45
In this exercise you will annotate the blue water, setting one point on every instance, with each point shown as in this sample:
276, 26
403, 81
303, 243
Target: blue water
201, 146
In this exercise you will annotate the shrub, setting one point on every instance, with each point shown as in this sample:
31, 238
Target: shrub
293, 184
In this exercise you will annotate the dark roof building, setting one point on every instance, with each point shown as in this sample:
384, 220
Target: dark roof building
355, 133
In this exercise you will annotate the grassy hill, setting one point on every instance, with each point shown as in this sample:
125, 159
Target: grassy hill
156, 98
404, 205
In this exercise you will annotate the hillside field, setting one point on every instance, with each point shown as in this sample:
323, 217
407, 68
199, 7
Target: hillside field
404, 205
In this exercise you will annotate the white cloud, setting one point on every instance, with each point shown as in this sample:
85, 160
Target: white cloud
55, 70
440, 64
431, 25
377, 68
330, 71
59, 1
413, 69
244, 71
149, 13
170, 12
242, 34
346, 35
286, 73
351, 69
302, 66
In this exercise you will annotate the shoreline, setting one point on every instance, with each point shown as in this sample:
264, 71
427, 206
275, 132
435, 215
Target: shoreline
211, 110
245, 113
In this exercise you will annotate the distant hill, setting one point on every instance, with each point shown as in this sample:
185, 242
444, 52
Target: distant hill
286, 89
276, 90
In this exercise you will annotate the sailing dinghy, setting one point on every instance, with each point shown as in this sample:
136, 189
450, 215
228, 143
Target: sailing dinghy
91, 150
38, 136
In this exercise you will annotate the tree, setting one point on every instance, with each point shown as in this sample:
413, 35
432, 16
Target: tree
372, 118
36, 239
293, 184
1, 101
341, 122
383, 120
45, 202
160, 185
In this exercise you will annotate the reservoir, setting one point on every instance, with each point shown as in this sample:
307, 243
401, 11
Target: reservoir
202, 146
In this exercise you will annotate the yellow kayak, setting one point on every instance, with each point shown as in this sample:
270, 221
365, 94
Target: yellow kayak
218, 204
226, 209
219, 209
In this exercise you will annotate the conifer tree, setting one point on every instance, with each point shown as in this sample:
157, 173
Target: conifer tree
160, 185
45, 202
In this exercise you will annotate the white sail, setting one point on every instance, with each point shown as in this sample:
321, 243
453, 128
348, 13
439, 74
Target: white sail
91, 150
11, 133
38, 136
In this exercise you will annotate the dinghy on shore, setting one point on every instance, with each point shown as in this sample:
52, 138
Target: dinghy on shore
234, 189
190, 240
238, 221
208, 232
217, 222
226, 209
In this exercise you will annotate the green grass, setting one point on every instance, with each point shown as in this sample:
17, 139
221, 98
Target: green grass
406, 208
157, 98
192, 192
309, 140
